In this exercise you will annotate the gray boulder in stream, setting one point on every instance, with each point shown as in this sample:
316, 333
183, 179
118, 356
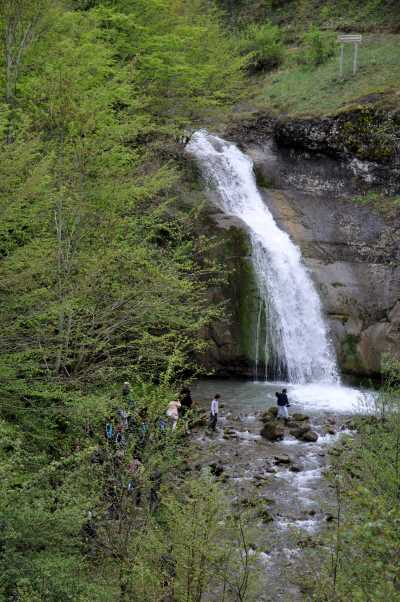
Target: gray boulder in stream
272, 430
298, 430
270, 414
309, 437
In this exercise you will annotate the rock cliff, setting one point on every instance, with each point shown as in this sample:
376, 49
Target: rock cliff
310, 172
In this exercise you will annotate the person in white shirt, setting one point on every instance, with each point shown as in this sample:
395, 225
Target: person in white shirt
173, 412
214, 412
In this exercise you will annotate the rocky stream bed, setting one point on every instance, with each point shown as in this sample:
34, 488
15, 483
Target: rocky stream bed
281, 482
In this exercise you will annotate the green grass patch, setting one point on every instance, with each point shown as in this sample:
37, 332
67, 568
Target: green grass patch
299, 90
378, 200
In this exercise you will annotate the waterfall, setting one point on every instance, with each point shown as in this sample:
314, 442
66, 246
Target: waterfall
295, 345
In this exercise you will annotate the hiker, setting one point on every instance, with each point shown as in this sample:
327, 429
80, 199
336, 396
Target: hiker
109, 431
123, 415
135, 469
143, 427
173, 412
168, 574
155, 481
186, 400
127, 395
214, 412
119, 437
283, 404
162, 425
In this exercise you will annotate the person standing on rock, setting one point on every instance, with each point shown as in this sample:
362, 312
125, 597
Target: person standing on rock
214, 412
283, 404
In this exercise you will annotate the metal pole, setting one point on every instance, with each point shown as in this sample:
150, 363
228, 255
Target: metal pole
355, 58
341, 60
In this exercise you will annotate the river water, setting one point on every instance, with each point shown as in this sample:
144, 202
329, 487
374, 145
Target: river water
282, 482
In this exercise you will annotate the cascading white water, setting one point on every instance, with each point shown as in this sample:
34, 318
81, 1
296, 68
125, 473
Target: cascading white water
296, 342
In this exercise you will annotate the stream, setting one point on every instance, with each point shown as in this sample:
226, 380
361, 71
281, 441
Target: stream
281, 481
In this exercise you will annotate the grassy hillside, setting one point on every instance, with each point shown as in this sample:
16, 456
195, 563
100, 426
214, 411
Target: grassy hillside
305, 79
296, 89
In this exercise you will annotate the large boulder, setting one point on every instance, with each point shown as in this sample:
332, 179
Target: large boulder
309, 437
297, 417
270, 414
282, 459
273, 431
216, 469
299, 430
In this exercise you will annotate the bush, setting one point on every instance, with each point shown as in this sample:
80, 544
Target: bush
317, 47
262, 46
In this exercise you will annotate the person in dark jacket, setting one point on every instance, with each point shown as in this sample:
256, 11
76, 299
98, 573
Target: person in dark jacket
283, 403
185, 397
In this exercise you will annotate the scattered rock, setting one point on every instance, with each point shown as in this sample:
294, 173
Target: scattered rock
200, 420
330, 430
273, 431
309, 437
229, 433
216, 469
308, 542
269, 414
249, 502
295, 468
265, 515
300, 417
299, 431
282, 460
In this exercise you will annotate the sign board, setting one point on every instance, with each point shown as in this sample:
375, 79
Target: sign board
355, 39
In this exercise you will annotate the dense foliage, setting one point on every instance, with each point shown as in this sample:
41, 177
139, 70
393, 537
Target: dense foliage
262, 46
365, 472
99, 266
104, 276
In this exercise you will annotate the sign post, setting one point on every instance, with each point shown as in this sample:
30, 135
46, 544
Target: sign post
355, 39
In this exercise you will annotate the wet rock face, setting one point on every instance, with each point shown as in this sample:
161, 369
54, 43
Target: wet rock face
362, 134
309, 172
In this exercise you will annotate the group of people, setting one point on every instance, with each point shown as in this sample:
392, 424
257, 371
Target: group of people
130, 420
180, 408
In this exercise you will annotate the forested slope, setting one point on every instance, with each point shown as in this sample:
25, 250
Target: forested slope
103, 278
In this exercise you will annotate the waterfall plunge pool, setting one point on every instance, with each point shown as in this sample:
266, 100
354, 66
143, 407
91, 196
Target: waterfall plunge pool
244, 396
298, 499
